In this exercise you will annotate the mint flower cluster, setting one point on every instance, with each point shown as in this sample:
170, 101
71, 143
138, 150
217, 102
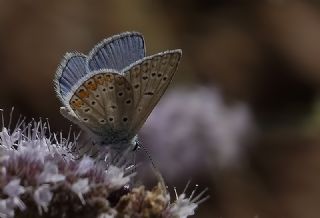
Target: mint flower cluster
43, 175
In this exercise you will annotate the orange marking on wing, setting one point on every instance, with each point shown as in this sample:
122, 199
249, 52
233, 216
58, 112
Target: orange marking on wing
99, 79
109, 78
82, 93
76, 103
91, 85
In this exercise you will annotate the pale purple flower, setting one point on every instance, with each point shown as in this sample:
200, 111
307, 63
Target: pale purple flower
5, 210
50, 173
46, 165
85, 165
40, 170
3, 170
42, 196
13, 189
8, 140
81, 187
183, 207
116, 178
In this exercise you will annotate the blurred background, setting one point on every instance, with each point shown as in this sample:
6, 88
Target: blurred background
242, 116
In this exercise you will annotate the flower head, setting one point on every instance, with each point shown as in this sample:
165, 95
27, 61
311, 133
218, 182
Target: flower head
42, 175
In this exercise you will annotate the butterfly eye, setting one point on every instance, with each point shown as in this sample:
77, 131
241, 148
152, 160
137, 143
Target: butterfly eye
110, 119
120, 94
128, 101
125, 119
153, 74
164, 78
159, 75
144, 77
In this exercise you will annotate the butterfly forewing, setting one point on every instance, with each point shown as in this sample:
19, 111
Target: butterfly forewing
150, 78
117, 52
123, 100
104, 103
71, 69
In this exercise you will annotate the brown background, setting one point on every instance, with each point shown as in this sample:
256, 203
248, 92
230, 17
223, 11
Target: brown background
262, 53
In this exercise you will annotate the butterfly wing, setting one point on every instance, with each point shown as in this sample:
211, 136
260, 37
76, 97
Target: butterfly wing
150, 78
71, 69
114, 52
103, 103
117, 52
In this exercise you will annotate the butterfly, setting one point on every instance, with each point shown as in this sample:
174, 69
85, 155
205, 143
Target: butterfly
111, 91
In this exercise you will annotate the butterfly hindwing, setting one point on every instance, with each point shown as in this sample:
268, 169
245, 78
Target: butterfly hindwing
104, 103
150, 78
117, 52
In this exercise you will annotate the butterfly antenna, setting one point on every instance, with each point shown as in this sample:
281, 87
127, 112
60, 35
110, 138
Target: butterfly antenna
139, 145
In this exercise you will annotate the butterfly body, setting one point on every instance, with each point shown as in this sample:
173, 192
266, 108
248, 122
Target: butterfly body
111, 92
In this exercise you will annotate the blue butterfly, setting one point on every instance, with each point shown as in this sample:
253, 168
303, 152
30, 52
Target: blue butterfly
111, 92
